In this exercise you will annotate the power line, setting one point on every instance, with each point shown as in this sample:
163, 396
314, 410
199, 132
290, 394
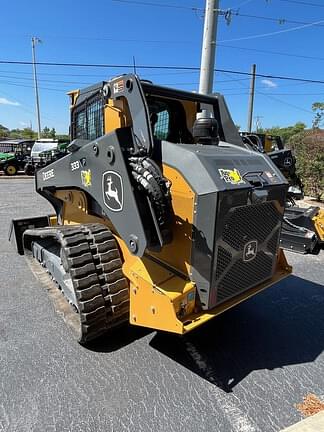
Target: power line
100, 77
286, 54
218, 44
144, 3
27, 86
277, 99
94, 75
243, 3
275, 32
295, 94
237, 13
46, 80
303, 3
223, 91
285, 102
230, 10
280, 21
269, 96
101, 38
151, 67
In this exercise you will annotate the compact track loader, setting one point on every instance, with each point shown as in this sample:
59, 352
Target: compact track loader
303, 228
163, 217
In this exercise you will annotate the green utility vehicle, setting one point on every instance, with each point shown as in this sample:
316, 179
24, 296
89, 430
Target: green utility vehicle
14, 155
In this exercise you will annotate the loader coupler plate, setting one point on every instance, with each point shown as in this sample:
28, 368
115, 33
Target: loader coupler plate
19, 226
302, 229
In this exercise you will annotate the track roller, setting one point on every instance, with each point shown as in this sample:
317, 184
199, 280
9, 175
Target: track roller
85, 262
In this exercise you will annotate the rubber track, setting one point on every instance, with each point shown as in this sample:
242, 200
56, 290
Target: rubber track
90, 254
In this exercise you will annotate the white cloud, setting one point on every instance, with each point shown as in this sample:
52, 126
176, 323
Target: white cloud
269, 83
23, 124
4, 101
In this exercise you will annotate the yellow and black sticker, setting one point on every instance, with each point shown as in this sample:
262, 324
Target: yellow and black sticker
86, 178
231, 176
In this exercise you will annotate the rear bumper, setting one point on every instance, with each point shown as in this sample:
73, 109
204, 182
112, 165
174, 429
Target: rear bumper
193, 321
157, 305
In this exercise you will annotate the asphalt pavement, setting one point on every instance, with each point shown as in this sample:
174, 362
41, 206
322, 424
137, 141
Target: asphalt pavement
242, 372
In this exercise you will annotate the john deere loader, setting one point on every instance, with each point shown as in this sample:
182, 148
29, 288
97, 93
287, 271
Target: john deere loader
163, 217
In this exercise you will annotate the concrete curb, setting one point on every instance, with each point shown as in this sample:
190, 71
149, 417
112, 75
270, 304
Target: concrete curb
314, 423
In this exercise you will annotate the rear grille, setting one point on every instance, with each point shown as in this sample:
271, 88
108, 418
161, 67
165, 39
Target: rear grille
258, 223
244, 275
223, 260
250, 222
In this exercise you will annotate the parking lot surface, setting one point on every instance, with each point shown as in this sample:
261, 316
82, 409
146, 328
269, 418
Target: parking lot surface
242, 372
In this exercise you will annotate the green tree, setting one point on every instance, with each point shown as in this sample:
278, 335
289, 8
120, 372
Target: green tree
308, 149
63, 137
28, 133
318, 109
4, 132
287, 132
15, 133
46, 132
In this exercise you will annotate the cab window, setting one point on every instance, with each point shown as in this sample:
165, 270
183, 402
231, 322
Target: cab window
87, 119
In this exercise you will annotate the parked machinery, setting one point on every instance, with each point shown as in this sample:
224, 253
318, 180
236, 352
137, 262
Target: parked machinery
282, 157
14, 154
163, 217
303, 228
44, 152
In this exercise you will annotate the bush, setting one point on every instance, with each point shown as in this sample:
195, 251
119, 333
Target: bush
308, 148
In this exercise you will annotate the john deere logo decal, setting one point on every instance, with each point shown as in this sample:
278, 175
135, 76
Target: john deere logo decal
86, 178
231, 176
112, 189
288, 161
250, 250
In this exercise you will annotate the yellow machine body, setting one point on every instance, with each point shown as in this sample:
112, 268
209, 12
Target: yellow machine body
319, 224
162, 296
162, 291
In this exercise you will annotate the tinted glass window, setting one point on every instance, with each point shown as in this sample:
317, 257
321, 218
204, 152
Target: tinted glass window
95, 120
161, 127
80, 125
168, 120
88, 120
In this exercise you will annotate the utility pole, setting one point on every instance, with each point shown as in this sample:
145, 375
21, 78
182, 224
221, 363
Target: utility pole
251, 99
134, 65
258, 124
34, 41
209, 47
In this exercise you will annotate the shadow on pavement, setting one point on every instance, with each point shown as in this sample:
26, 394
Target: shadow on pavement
115, 340
282, 326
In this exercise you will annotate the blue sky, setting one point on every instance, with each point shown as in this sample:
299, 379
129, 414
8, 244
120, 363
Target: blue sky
112, 32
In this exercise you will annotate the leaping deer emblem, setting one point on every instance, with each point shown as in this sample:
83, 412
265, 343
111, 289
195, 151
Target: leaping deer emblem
250, 250
112, 192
